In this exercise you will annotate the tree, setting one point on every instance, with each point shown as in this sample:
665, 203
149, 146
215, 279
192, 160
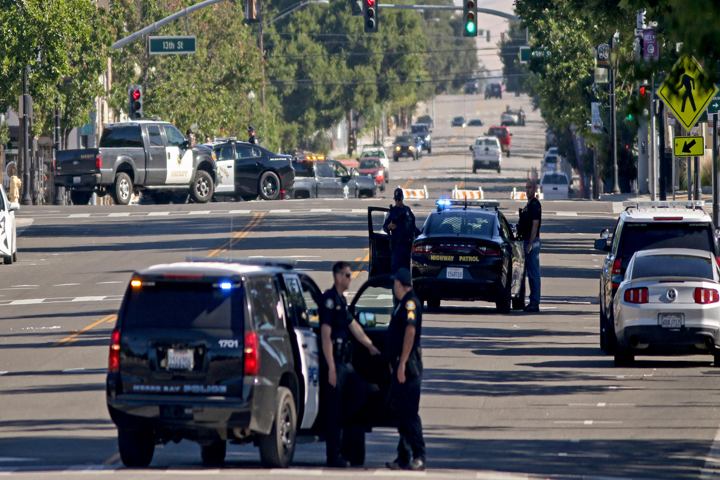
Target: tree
513, 71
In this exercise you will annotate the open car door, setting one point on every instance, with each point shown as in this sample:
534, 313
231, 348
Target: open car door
380, 252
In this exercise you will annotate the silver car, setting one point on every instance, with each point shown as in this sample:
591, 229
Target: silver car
8, 229
668, 302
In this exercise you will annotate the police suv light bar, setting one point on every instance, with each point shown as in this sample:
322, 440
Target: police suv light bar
444, 203
664, 204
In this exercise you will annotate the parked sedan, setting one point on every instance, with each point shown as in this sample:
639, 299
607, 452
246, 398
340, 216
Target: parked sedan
668, 302
8, 229
329, 178
407, 146
372, 168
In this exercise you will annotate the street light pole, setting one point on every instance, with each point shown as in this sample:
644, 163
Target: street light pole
613, 114
26, 198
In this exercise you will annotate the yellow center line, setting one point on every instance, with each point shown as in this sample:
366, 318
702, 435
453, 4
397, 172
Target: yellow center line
407, 184
365, 260
452, 140
112, 459
479, 103
73, 337
241, 234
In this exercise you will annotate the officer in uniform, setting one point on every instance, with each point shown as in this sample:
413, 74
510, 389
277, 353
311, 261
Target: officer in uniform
403, 350
251, 134
343, 382
400, 225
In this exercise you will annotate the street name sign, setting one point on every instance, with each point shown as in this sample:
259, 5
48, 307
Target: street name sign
524, 54
714, 106
172, 45
687, 91
689, 146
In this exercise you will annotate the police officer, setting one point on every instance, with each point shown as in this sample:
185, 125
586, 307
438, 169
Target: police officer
190, 137
251, 134
400, 225
403, 350
336, 324
529, 230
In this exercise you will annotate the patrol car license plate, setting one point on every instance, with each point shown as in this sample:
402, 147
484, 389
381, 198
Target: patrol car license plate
672, 320
76, 179
180, 359
456, 273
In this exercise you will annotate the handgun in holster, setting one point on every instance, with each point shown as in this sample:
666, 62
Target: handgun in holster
342, 350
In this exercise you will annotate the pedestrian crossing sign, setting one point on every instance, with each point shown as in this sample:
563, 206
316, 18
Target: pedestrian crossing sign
687, 91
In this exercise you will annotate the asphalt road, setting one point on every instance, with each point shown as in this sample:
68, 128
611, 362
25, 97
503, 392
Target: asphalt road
504, 396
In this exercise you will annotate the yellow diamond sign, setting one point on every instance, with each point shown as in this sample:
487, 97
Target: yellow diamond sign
687, 91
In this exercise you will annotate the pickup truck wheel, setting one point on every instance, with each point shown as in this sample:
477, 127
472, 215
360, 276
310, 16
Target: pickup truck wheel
201, 190
80, 198
277, 448
269, 186
353, 446
214, 454
136, 447
123, 189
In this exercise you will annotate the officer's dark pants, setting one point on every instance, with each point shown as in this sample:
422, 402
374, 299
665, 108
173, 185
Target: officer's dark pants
400, 258
340, 402
407, 404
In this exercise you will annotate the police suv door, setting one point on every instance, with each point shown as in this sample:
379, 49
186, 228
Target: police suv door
380, 252
156, 166
225, 170
179, 161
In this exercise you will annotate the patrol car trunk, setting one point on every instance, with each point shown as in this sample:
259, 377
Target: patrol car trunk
76, 162
452, 250
182, 344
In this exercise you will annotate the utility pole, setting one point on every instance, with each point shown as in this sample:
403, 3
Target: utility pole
613, 116
642, 119
26, 198
652, 162
59, 190
716, 171
662, 196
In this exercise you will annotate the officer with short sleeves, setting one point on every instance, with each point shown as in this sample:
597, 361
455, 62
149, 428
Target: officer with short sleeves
400, 225
343, 382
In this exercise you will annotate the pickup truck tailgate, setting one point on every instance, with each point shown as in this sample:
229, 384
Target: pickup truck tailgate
76, 162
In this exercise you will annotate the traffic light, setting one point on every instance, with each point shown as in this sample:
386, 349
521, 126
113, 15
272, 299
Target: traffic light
357, 7
370, 7
470, 18
351, 143
135, 94
642, 93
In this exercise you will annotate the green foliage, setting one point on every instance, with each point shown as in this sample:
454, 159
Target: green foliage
513, 70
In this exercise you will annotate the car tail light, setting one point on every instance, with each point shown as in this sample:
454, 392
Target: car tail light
98, 161
636, 295
55, 164
493, 252
422, 249
717, 259
616, 270
380, 178
114, 359
668, 219
706, 295
252, 353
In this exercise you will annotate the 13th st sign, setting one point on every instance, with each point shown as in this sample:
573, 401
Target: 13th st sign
172, 45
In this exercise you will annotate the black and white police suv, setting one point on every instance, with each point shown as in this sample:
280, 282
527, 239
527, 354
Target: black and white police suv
217, 350
140, 155
246, 171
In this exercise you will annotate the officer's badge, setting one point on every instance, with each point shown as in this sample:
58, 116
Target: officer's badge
329, 303
410, 305
179, 159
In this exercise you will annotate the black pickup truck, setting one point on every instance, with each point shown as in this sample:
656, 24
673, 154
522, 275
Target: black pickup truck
217, 350
138, 155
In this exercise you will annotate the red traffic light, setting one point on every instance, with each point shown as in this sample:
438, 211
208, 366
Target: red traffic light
370, 3
642, 92
136, 94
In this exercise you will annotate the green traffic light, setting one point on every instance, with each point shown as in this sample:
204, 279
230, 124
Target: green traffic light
470, 27
629, 117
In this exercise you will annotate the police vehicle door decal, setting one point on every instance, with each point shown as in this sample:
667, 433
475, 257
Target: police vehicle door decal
310, 365
225, 170
179, 166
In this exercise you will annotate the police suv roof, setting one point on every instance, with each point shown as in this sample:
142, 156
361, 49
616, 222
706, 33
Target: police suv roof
681, 211
217, 267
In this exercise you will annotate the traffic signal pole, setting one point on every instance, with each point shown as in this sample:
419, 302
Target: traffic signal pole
716, 171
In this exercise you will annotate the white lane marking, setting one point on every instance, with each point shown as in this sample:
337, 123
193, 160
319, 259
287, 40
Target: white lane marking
237, 212
500, 476
294, 471
398, 473
89, 299
566, 214
158, 214
79, 215
105, 283
586, 422
29, 301
601, 404
20, 286
3, 373
66, 284
120, 214
320, 210
282, 210
200, 212
358, 210
615, 387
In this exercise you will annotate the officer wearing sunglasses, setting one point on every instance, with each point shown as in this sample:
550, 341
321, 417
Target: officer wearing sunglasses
339, 379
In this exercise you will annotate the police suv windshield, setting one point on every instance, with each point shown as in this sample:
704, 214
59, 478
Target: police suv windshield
461, 222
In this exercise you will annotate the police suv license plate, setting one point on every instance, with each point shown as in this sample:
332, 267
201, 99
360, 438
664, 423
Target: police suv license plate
456, 273
76, 179
672, 320
180, 359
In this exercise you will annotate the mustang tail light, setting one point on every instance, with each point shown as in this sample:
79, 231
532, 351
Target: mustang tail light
636, 295
252, 353
706, 295
114, 358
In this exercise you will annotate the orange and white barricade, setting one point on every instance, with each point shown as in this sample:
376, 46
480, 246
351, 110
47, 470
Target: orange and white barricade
515, 195
468, 194
415, 193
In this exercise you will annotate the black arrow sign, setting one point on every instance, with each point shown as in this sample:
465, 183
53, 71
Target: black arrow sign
688, 146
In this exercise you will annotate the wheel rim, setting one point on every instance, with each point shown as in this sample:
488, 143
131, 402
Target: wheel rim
124, 189
286, 430
269, 187
202, 188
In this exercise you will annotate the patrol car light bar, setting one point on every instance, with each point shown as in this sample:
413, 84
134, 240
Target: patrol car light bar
260, 262
664, 204
444, 202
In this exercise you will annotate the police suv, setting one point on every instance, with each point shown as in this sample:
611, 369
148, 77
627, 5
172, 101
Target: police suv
140, 155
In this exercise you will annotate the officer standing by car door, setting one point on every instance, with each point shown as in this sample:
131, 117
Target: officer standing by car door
400, 225
403, 350
529, 229
251, 134
343, 382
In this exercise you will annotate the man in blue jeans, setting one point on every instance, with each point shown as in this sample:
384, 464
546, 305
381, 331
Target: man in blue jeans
529, 228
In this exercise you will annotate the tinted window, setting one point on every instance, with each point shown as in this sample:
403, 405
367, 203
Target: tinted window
295, 300
324, 170
121, 137
551, 159
489, 142
183, 305
265, 302
461, 223
672, 266
246, 152
154, 136
419, 129
309, 294
555, 179
405, 139
498, 132
340, 170
303, 169
2, 199
173, 135
225, 153
368, 164
371, 153
645, 236
376, 300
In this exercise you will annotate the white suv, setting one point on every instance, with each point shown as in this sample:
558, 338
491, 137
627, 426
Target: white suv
487, 153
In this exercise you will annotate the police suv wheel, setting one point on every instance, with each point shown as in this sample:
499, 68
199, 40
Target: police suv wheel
202, 189
123, 189
269, 186
136, 447
278, 447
